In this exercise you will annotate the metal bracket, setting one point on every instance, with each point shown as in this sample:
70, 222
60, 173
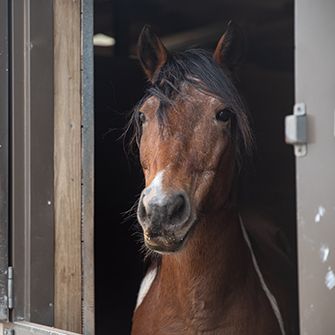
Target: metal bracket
296, 129
8, 331
10, 287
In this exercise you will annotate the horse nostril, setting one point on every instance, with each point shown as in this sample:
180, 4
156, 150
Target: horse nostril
179, 209
141, 211
177, 206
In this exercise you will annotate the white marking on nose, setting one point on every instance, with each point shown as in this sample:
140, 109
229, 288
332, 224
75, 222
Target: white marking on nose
157, 181
154, 192
145, 286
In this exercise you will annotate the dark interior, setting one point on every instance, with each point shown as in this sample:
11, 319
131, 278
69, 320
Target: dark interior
265, 80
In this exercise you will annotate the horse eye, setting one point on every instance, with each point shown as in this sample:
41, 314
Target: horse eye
224, 115
141, 117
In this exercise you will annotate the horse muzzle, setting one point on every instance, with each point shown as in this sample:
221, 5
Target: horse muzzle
165, 219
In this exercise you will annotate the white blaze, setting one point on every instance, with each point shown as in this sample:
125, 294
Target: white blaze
154, 192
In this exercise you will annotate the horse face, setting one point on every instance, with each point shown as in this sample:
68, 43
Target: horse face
187, 153
187, 162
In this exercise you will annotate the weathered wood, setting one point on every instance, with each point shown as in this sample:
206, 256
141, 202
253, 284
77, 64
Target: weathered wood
68, 282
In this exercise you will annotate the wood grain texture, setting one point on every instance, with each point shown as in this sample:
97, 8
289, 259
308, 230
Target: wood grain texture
68, 282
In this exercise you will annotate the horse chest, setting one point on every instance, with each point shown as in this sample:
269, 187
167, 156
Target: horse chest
170, 320
163, 312
180, 302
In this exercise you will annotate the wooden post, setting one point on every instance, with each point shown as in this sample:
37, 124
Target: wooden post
67, 160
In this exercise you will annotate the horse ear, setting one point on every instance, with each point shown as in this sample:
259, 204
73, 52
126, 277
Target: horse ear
230, 48
151, 53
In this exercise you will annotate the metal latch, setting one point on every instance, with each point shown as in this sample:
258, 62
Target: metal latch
296, 129
10, 287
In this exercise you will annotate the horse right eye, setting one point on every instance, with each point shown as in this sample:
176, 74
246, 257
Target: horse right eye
224, 115
142, 117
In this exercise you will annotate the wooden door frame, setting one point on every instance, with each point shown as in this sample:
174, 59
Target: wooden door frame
44, 58
74, 157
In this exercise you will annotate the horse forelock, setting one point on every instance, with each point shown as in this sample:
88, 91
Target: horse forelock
196, 68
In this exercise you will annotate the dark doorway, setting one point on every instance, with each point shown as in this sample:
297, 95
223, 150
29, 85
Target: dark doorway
265, 80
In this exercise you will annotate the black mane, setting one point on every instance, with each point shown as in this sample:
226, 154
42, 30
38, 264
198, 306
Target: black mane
197, 68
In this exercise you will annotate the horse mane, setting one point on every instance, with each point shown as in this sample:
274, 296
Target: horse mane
197, 68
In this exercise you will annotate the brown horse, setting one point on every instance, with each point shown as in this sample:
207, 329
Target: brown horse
192, 131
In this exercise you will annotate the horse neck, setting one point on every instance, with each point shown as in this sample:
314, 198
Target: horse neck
213, 262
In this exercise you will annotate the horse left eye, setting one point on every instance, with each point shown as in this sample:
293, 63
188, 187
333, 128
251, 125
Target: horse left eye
224, 115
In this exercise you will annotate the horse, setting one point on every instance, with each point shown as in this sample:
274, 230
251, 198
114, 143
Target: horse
192, 130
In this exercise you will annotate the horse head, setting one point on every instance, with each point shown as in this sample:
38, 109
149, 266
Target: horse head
191, 126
